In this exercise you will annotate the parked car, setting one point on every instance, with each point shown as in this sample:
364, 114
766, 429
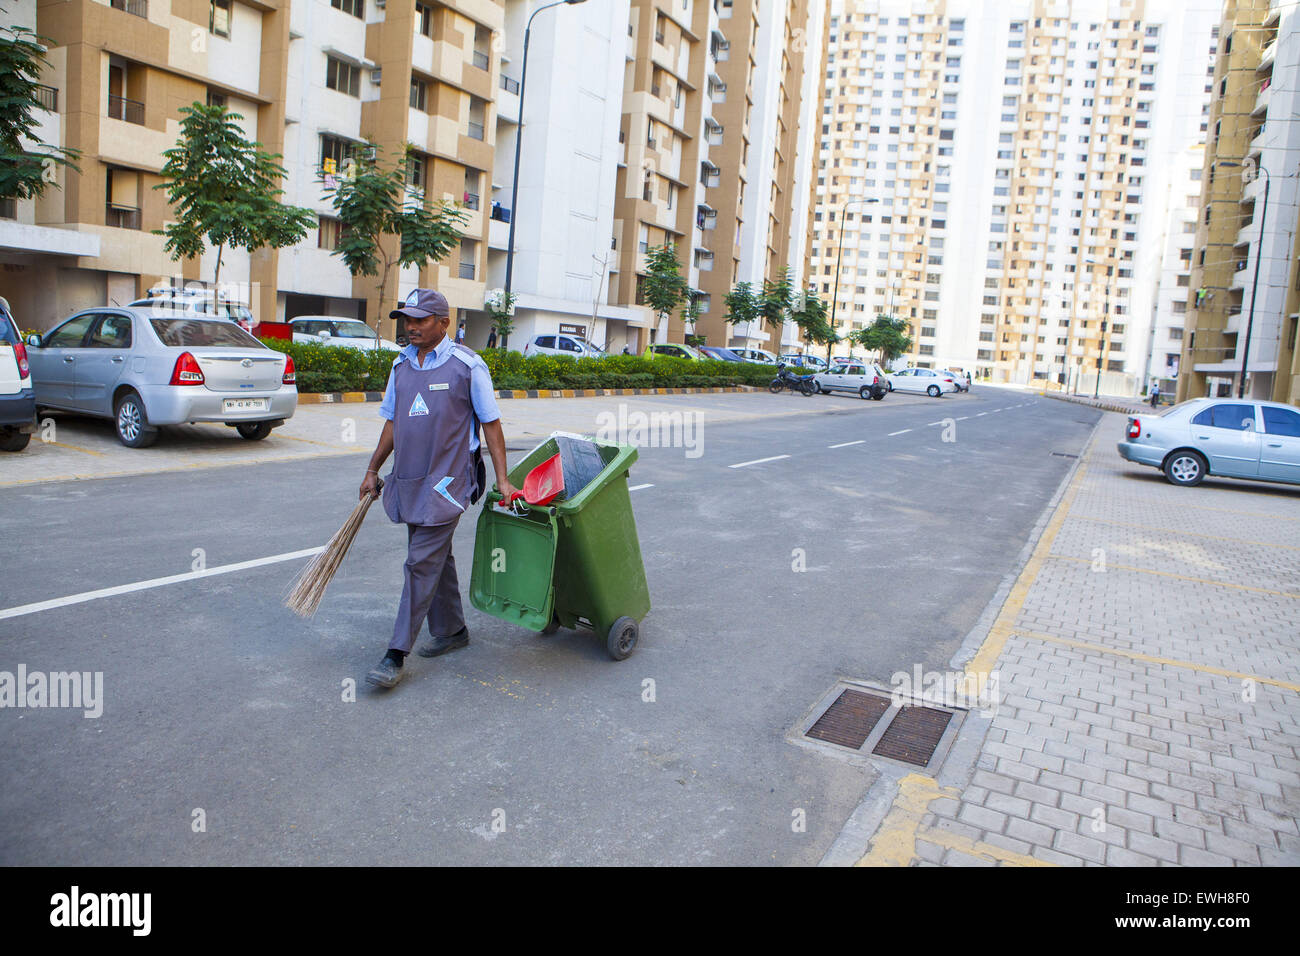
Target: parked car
721, 354
332, 330
759, 356
932, 382
17, 398
1231, 437
146, 367
810, 362
573, 345
673, 350
198, 302
960, 376
868, 381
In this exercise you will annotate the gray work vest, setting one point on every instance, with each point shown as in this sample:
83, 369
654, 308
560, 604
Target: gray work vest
435, 476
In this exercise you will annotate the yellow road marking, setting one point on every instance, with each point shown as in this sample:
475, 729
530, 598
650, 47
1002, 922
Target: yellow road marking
87, 451
1193, 534
986, 657
955, 841
1155, 659
895, 842
1179, 577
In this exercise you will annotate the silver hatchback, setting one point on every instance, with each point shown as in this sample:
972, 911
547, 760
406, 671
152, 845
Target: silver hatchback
1231, 437
146, 367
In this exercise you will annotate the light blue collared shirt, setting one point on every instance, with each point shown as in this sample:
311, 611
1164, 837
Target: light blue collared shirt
480, 383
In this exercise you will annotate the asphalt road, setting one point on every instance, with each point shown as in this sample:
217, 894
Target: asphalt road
519, 749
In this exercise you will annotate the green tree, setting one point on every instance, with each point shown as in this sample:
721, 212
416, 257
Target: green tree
225, 190
742, 304
775, 303
373, 204
888, 336
24, 173
664, 287
691, 315
811, 315
501, 308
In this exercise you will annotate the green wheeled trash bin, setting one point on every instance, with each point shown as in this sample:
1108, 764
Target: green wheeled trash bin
574, 562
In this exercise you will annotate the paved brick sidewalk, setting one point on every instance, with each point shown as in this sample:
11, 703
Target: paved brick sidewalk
1149, 667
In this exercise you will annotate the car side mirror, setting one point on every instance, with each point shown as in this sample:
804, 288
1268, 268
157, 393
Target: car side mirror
34, 341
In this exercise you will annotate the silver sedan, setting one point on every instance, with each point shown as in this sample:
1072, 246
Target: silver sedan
145, 367
1231, 437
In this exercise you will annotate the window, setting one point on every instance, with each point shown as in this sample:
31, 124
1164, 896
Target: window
418, 89
70, 334
335, 153
1236, 417
328, 233
424, 19
343, 77
1281, 421
355, 7
219, 18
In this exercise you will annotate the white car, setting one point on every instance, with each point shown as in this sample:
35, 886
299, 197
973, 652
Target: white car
867, 381
805, 360
198, 303
574, 345
17, 398
761, 356
927, 380
332, 330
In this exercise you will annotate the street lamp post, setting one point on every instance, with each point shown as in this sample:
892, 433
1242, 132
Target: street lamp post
1254, 286
835, 301
519, 135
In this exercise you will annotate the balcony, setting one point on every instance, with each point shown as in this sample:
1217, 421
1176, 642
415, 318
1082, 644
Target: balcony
475, 130
466, 270
47, 98
471, 200
121, 217
499, 212
481, 60
138, 8
509, 85
130, 111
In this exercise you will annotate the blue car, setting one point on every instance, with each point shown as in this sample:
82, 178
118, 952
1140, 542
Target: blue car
714, 352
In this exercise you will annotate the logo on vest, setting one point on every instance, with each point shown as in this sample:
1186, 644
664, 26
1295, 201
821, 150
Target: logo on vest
418, 407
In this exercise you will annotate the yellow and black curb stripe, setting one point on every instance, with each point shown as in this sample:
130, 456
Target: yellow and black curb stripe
337, 398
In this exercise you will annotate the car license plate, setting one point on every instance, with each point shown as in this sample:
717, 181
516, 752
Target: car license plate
244, 405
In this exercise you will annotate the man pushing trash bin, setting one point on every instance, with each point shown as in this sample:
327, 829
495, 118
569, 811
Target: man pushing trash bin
438, 396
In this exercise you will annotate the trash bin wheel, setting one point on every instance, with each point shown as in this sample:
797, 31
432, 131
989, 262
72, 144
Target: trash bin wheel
622, 639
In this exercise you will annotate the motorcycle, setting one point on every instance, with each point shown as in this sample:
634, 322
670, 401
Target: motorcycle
788, 379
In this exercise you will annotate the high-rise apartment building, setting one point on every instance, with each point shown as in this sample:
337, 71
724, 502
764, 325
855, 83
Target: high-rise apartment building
999, 172
1244, 274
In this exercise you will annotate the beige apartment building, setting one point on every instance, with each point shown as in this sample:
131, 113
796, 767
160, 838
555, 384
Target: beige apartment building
1245, 268
693, 81
995, 174
313, 81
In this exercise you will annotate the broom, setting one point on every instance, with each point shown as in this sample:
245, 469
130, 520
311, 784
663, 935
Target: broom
309, 587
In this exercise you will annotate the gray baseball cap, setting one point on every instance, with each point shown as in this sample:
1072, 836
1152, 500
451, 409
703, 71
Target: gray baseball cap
422, 303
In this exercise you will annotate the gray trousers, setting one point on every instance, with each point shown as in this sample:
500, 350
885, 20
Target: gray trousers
430, 590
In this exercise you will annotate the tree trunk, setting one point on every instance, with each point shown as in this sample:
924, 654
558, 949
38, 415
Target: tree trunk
216, 278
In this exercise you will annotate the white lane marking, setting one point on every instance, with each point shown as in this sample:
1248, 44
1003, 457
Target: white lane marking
903, 432
84, 596
757, 461
961, 418
639, 487
929, 424
981, 413
845, 444
997, 409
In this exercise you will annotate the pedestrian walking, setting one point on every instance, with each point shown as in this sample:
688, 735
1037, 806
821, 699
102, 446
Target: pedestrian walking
625, 350
460, 333
439, 394
492, 337
1155, 394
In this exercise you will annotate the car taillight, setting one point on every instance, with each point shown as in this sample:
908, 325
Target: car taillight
20, 353
290, 373
875, 380
187, 371
1134, 428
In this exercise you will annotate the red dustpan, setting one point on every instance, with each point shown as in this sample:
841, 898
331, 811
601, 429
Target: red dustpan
545, 482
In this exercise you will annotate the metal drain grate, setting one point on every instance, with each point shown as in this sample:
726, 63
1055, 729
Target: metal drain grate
1062, 454
849, 721
865, 721
913, 735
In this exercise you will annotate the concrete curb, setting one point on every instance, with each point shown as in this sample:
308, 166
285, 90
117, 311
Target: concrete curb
1136, 408
335, 398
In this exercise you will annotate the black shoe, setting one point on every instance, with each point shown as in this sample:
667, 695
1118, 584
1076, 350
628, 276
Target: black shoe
385, 674
444, 645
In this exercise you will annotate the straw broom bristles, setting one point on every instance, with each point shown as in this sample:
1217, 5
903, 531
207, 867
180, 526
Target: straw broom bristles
309, 587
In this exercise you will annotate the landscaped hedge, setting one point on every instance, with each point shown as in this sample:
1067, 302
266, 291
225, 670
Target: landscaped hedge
325, 368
